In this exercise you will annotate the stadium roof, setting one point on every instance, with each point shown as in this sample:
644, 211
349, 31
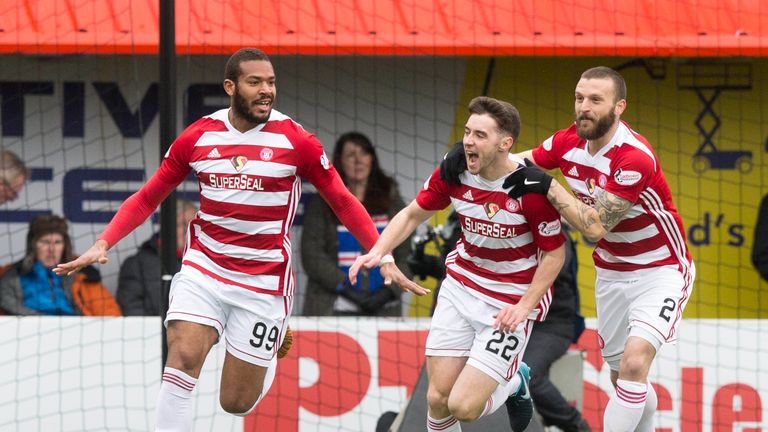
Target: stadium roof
700, 28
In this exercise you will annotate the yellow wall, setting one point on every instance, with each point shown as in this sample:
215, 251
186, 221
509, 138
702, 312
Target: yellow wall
727, 286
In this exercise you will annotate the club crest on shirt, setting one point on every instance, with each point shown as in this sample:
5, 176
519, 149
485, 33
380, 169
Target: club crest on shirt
239, 162
591, 183
491, 209
626, 177
266, 154
549, 228
512, 205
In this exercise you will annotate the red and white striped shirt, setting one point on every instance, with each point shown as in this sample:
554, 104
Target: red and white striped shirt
651, 234
250, 185
497, 254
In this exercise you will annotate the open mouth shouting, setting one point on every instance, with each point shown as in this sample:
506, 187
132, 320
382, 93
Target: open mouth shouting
473, 160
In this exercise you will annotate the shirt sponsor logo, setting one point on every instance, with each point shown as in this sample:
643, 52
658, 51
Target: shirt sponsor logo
627, 177
549, 228
547, 144
488, 229
491, 209
239, 162
266, 154
240, 182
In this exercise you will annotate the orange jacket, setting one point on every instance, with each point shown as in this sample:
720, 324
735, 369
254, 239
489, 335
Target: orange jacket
92, 298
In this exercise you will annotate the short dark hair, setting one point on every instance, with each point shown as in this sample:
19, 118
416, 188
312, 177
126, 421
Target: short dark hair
602, 72
506, 115
232, 70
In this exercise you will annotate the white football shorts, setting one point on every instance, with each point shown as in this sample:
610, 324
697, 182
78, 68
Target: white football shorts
253, 324
462, 326
647, 303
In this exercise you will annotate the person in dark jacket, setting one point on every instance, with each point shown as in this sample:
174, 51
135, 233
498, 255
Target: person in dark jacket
760, 245
140, 284
328, 249
549, 341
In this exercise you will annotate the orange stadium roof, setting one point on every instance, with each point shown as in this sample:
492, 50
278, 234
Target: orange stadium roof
700, 28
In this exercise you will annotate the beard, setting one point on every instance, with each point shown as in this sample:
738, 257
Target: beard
600, 128
242, 108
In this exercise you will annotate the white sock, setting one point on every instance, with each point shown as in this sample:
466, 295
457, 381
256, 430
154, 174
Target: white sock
651, 402
625, 406
448, 424
500, 395
173, 403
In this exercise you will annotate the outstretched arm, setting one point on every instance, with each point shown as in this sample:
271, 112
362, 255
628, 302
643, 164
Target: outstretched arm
398, 229
350, 211
134, 211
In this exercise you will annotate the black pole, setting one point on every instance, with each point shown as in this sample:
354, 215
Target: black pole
489, 76
167, 87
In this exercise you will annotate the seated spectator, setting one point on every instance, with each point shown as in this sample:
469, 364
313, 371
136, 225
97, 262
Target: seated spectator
30, 287
140, 284
328, 249
13, 175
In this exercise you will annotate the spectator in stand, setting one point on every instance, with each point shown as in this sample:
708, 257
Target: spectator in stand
30, 287
140, 284
760, 245
13, 175
326, 244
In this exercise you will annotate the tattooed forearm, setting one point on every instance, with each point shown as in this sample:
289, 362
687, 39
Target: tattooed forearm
592, 221
611, 209
586, 215
583, 212
558, 205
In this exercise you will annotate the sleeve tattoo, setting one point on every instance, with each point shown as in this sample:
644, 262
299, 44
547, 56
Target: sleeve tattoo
608, 210
611, 208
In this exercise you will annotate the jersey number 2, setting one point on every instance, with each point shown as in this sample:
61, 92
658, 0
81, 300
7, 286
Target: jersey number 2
666, 310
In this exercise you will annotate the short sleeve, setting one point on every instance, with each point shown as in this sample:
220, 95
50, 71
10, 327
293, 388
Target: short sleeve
631, 171
543, 221
548, 154
434, 195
